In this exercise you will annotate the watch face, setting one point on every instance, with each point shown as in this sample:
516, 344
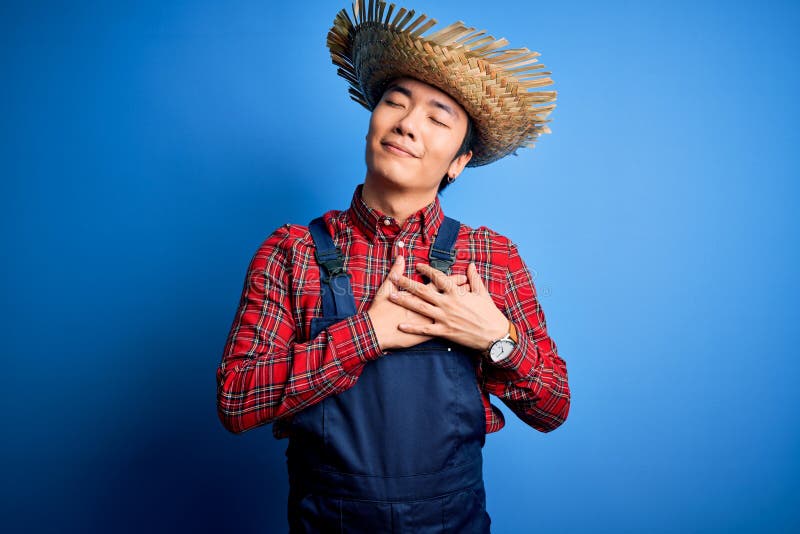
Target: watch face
502, 349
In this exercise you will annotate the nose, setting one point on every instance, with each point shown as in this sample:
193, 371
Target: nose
407, 124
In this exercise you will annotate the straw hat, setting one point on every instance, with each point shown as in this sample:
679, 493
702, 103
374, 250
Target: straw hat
492, 85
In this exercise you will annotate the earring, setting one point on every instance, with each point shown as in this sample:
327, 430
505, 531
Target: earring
450, 179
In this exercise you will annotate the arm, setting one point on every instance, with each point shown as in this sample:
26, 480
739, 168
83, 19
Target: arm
264, 375
532, 381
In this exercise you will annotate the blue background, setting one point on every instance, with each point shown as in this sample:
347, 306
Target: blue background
148, 148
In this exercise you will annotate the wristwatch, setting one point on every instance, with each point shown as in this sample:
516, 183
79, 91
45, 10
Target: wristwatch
501, 349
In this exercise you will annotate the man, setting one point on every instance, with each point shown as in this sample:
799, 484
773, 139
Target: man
373, 337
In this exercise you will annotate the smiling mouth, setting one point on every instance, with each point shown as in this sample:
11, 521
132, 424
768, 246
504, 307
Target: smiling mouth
393, 150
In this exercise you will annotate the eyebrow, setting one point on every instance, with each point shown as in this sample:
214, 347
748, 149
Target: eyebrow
438, 103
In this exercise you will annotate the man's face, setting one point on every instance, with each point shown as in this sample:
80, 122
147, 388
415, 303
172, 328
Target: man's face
414, 133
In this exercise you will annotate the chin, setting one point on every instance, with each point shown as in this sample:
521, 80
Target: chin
390, 168
388, 174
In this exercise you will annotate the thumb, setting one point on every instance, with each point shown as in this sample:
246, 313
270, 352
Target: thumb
475, 280
398, 267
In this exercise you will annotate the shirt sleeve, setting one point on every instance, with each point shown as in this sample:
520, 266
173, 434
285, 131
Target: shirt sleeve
532, 380
264, 374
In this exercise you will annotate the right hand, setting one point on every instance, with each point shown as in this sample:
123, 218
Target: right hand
386, 315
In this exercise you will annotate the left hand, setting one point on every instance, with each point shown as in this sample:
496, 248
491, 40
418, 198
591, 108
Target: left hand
468, 317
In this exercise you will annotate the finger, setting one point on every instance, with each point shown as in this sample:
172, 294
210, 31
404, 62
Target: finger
457, 280
416, 304
475, 280
404, 282
461, 279
442, 281
398, 266
429, 329
424, 291
462, 284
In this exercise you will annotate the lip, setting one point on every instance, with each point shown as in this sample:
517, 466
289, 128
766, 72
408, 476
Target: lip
395, 149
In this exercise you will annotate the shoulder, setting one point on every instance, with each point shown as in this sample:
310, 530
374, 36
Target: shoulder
485, 233
290, 239
483, 239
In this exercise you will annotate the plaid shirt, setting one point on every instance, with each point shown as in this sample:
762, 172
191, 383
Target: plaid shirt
270, 370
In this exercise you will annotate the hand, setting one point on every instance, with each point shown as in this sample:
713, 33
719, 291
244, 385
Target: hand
467, 316
386, 315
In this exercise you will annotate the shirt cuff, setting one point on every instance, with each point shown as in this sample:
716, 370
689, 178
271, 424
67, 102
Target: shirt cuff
353, 341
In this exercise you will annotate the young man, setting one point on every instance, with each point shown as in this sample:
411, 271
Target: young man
373, 337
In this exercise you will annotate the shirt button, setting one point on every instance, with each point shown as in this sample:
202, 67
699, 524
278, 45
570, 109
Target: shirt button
401, 244
387, 221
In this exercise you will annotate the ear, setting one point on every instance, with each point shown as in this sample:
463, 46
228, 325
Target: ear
458, 164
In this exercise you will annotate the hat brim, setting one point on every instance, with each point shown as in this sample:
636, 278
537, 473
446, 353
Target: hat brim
492, 85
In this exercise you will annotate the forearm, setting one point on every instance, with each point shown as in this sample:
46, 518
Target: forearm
257, 390
532, 382
264, 374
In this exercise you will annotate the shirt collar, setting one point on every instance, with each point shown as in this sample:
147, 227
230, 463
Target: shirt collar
370, 221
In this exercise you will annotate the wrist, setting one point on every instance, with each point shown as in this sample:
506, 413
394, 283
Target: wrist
498, 333
379, 337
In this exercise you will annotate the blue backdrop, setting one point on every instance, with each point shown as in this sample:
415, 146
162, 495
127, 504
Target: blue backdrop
148, 148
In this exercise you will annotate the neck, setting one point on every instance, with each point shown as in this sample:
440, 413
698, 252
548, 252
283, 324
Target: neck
400, 204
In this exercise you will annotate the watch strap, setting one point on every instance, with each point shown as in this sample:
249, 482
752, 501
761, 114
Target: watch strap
512, 330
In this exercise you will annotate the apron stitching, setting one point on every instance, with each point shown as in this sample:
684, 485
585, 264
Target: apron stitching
369, 475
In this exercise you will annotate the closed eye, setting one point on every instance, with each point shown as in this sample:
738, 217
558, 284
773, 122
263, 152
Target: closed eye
395, 104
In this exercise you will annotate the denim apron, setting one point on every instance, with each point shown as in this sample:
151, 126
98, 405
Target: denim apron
400, 450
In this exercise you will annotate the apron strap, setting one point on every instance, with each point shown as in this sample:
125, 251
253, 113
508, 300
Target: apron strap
442, 254
337, 294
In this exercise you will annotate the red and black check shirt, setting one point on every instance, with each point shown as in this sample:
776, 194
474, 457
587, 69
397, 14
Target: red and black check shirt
270, 370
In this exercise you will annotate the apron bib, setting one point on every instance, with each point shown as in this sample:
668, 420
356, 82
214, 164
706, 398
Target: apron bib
401, 450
